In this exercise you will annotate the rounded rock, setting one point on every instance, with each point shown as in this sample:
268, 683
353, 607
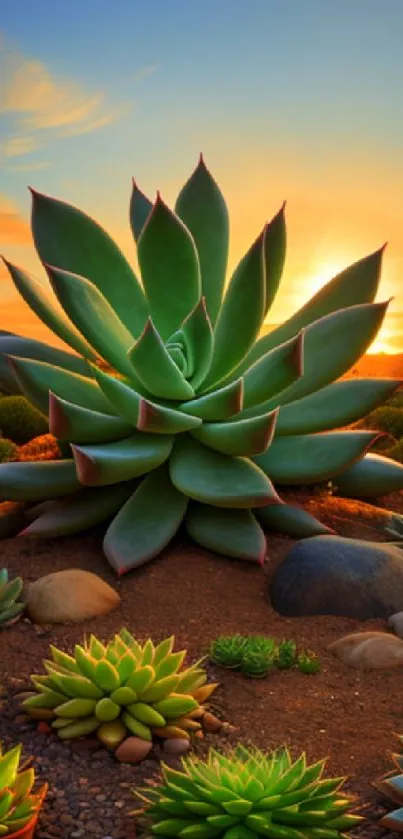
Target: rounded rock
133, 750
395, 623
333, 575
176, 746
211, 722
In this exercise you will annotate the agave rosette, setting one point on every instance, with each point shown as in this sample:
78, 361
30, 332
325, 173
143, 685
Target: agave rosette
181, 421
245, 795
120, 689
19, 804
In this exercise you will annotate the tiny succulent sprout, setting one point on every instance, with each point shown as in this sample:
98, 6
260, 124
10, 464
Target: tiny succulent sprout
10, 606
19, 804
120, 689
228, 650
286, 655
257, 664
308, 662
246, 794
191, 427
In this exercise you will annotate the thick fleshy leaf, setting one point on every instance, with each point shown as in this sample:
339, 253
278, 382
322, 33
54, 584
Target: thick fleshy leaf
278, 369
373, 476
393, 821
121, 461
292, 521
274, 252
216, 479
153, 365
241, 314
234, 533
331, 346
309, 458
37, 480
11, 344
196, 336
80, 511
336, 405
355, 285
81, 425
169, 268
202, 208
245, 438
37, 379
91, 313
146, 524
221, 404
143, 414
140, 209
69, 239
42, 304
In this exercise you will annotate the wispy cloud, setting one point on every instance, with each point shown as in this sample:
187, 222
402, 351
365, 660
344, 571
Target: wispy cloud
14, 230
42, 106
33, 166
145, 72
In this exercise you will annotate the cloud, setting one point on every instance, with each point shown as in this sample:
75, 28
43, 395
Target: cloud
14, 230
33, 166
145, 72
42, 106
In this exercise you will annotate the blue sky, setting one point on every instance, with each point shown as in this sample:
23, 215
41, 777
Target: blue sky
295, 99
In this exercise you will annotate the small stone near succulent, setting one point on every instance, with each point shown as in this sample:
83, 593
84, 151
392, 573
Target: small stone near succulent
66, 596
369, 650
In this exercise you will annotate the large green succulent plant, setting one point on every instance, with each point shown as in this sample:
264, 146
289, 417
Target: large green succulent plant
184, 426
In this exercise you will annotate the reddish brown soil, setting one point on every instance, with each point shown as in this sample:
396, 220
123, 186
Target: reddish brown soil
343, 714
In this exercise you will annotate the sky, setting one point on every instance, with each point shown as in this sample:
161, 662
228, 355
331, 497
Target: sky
296, 100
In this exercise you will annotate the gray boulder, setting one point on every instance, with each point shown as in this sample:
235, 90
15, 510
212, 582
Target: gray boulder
332, 575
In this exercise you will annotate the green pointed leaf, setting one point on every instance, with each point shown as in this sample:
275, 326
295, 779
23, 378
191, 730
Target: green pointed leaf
233, 533
221, 404
37, 379
309, 458
355, 285
42, 304
153, 365
80, 511
197, 339
140, 209
93, 316
11, 592
143, 414
291, 521
331, 346
241, 314
9, 766
216, 479
169, 268
246, 437
121, 461
336, 405
37, 480
69, 239
146, 524
274, 254
278, 369
29, 348
371, 477
202, 208
81, 425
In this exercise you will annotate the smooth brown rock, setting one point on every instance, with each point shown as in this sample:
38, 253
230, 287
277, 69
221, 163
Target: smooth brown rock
133, 750
369, 650
69, 596
211, 722
176, 745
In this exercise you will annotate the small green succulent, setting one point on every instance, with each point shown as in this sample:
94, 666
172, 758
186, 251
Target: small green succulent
257, 664
120, 689
246, 794
173, 396
10, 607
228, 650
286, 655
308, 662
18, 803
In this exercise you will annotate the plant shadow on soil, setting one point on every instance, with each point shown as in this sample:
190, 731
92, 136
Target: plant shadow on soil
343, 714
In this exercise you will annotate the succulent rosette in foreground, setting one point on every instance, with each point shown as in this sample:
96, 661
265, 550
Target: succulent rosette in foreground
172, 409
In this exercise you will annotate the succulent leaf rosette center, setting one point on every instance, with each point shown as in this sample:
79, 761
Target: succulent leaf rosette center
174, 407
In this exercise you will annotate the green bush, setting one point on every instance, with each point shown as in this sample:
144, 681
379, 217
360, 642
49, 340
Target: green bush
395, 451
8, 450
20, 421
387, 418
